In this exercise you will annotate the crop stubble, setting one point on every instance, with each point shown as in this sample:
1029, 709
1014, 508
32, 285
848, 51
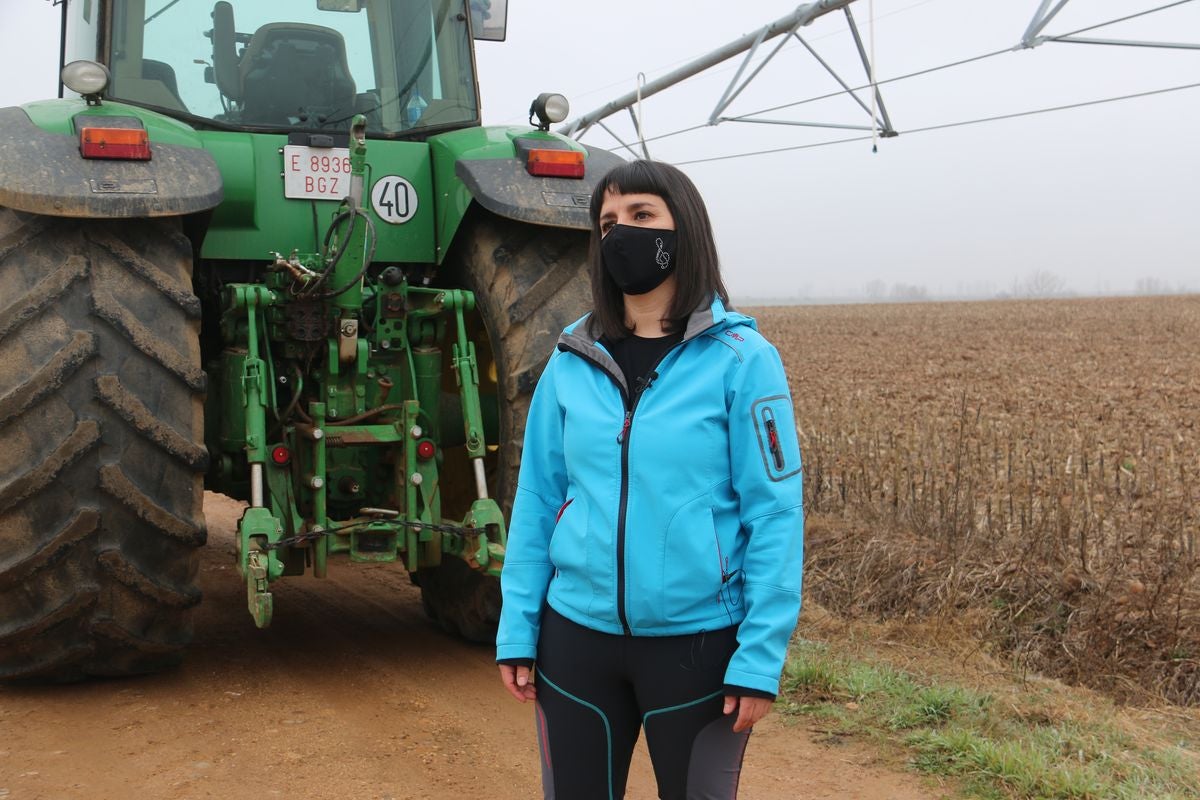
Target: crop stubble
1028, 468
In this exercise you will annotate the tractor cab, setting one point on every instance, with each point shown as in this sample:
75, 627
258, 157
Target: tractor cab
260, 65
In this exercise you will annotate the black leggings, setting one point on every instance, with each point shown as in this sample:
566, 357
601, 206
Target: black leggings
596, 690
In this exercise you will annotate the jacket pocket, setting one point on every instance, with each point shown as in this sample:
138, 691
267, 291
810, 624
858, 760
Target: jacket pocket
691, 566
568, 542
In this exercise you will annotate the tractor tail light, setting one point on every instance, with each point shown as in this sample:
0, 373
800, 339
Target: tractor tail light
131, 144
281, 455
426, 450
555, 163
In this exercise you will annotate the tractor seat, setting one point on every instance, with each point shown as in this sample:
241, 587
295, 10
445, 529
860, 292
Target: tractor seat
291, 69
164, 73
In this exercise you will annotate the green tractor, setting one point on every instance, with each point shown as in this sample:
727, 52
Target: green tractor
267, 248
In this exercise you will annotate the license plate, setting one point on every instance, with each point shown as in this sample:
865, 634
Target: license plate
316, 173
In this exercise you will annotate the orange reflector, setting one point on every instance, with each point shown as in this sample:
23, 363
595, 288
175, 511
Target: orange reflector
127, 143
555, 163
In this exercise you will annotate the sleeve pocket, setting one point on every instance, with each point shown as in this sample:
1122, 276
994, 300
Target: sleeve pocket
776, 436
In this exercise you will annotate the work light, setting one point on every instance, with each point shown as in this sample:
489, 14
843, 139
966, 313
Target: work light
548, 108
86, 78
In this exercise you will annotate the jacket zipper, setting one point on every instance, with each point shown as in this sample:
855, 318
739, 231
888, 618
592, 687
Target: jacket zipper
623, 440
623, 507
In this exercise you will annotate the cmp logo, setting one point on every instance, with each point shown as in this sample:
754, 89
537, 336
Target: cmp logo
394, 199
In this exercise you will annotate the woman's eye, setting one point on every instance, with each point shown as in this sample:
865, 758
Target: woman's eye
605, 227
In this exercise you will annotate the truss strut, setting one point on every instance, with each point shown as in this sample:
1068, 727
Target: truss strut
1043, 16
727, 97
802, 15
862, 53
1126, 42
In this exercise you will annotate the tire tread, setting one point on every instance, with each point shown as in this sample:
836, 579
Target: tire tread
50, 377
101, 396
529, 283
81, 440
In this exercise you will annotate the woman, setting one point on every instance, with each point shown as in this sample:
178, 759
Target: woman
654, 556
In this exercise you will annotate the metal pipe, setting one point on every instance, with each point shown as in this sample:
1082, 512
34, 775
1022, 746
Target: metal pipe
256, 414
480, 478
1035, 24
390, 513
803, 15
1040, 21
849, 90
256, 485
801, 124
725, 100
1124, 42
610, 132
866, 60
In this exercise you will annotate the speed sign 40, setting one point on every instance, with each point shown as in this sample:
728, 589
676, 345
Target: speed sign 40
394, 199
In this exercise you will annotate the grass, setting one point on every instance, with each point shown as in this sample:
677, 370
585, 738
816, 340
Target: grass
994, 742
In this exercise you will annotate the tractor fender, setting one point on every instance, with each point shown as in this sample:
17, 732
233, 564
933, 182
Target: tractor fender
504, 187
43, 173
485, 166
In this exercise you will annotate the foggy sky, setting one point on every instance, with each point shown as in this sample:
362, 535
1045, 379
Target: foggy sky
1100, 196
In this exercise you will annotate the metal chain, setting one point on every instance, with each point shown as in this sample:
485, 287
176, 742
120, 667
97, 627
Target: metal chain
454, 530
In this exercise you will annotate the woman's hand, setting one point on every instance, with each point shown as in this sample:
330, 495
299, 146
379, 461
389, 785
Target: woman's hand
749, 710
516, 681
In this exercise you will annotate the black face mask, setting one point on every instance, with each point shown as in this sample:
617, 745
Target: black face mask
638, 259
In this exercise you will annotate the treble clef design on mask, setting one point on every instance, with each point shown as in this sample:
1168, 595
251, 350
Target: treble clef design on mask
662, 258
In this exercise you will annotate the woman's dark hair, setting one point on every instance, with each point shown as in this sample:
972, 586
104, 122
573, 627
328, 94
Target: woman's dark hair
697, 271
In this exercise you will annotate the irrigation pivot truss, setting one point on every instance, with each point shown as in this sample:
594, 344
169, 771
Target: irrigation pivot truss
868, 96
787, 27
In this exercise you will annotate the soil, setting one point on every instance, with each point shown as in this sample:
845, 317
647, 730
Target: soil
1034, 464
351, 693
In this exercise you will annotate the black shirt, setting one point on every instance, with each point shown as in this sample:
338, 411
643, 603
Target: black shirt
638, 355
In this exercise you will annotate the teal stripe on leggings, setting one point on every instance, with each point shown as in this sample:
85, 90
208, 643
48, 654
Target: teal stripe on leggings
646, 717
603, 718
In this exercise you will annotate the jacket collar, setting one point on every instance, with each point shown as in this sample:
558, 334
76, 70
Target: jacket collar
577, 337
705, 317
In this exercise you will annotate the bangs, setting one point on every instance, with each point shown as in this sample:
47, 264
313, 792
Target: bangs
635, 177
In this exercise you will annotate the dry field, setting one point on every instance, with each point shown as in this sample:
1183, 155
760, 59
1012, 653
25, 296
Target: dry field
1029, 471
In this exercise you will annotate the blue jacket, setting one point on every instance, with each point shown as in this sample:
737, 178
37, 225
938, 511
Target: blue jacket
665, 511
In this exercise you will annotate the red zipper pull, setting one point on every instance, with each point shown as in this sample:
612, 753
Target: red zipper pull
624, 427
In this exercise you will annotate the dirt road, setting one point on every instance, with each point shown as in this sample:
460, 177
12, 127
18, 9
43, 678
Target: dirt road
350, 694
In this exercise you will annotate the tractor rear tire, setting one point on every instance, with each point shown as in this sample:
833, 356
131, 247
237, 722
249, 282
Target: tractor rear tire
530, 282
101, 421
